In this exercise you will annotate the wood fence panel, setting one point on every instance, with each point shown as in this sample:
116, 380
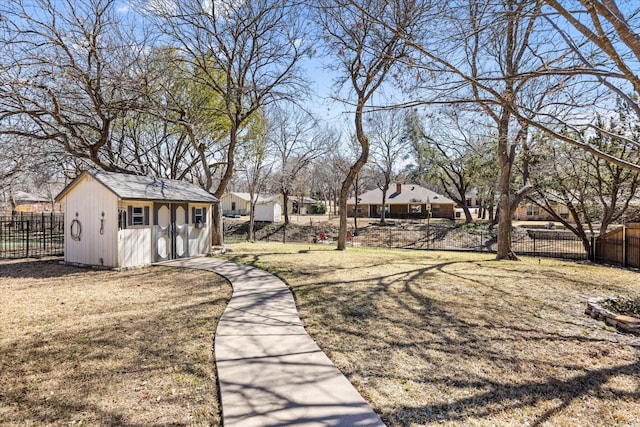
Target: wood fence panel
620, 246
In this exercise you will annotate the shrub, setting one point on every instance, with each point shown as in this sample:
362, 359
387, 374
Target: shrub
318, 208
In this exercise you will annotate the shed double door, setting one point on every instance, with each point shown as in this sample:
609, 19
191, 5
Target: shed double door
170, 231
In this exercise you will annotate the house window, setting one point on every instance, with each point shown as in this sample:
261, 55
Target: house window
435, 208
562, 211
415, 208
137, 215
533, 210
359, 209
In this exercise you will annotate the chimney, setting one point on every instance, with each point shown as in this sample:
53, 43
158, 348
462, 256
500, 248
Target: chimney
398, 188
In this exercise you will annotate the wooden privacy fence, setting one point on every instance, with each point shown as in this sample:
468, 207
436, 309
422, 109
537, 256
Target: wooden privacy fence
619, 247
31, 235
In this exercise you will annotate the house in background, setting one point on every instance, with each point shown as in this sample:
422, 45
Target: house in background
34, 202
268, 206
121, 221
301, 205
406, 200
532, 212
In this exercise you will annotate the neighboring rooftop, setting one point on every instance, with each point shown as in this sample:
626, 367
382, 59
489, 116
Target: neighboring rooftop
402, 194
262, 198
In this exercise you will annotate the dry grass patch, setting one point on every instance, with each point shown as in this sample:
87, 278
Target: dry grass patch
446, 338
85, 347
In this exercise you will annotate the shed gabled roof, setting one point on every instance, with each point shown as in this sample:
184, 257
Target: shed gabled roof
408, 194
261, 199
136, 187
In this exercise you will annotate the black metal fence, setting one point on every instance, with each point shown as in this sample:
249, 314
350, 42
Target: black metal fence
553, 244
532, 242
31, 235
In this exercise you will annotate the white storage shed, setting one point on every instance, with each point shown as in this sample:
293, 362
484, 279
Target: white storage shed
121, 221
268, 212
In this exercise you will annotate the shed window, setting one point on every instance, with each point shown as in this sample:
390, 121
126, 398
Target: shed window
199, 215
137, 215
233, 206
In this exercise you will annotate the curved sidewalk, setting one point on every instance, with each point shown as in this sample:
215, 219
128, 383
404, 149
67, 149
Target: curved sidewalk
270, 371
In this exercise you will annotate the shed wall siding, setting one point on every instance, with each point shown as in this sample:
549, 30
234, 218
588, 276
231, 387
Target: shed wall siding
89, 200
242, 206
134, 246
200, 238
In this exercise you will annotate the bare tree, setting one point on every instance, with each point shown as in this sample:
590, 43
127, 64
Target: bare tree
493, 58
455, 154
298, 141
256, 163
365, 52
69, 74
584, 192
603, 37
247, 52
388, 147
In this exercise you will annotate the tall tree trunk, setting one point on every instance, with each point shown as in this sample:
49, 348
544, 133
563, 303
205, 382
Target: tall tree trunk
505, 157
285, 198
351, 176
467, 214
384, 189
251, 232
217, 233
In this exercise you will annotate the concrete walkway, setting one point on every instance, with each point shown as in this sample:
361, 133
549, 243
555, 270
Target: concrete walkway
270, 371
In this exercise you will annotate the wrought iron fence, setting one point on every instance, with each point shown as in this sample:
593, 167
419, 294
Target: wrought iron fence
553, 244
541, 243
31, 235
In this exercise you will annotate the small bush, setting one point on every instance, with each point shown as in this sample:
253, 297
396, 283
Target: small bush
318, 208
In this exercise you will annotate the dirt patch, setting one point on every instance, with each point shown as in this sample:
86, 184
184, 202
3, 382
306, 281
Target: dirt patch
85, 347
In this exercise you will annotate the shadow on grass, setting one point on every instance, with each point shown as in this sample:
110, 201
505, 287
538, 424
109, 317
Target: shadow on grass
142, 365
491, 341
36, 269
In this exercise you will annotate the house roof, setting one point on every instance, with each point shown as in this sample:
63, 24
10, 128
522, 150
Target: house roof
21, 197
409, 193
136, 187
304, 199
262, 198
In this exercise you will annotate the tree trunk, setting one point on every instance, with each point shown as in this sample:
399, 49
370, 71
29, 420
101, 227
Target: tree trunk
285, 208
504, 203
217, 234
351, 176
467, 214
251, 233
384, 202
355, 206
504, 229
344, 193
